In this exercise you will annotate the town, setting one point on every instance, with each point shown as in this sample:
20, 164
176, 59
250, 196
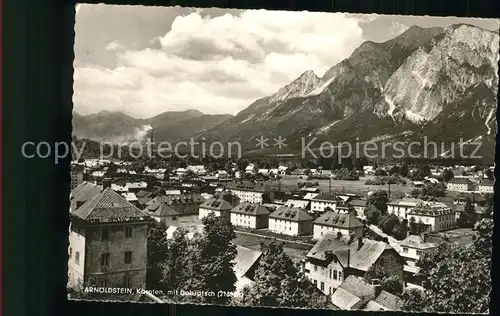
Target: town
359, 236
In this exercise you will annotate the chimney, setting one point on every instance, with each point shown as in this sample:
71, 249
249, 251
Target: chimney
106, 183
377, 288
360, 242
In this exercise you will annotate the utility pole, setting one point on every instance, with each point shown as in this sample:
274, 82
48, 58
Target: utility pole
330, 185
389, 191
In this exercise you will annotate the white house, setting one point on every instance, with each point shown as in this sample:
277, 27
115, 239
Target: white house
322, 201
411, 249
359, 206
250, 215
486, 186
460, 185
216, 205
263, 172
196, 169
331, 221
303, 204
336, 256
290, 221
401, 207
436, 218
250, 192
251, 169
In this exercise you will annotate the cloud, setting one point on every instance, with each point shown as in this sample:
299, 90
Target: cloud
113, 46
398, 28
217, 64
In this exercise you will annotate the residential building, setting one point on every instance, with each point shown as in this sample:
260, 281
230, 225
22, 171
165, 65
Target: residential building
250, 215
136, 186
107, 240
290, 221
76, 176
246, 262
321, 201
264, 172
336, 256
436, 217
163, 213
216, 205
184, 204
251, 169
197, 169
251, 192
385, 301
401, 207
359, 206
354, 293
303, 204
334, 221
411, 249
118, 188
460, 185
486, 186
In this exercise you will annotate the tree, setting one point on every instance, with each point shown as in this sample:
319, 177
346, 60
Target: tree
372, 214
210, 260
388, 223
380, 172
457, 277
157, 253
413, 300
400, 231
404, 170
392, 284
468, 217
379, 199
447, 175
375, 272
279, 283
434, 189
173, 266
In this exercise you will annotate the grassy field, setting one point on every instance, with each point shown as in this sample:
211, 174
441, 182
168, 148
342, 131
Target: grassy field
357, 187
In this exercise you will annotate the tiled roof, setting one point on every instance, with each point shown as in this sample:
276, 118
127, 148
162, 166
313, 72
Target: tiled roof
248, 186
291, 214
297, 203
359, 258
341, 220
358, 203
250, 209
217, 204
82, 193
431, 211
160, 209
353, 290
389, 301
415, 241
487, 182
244, 260
108, 206
326, 197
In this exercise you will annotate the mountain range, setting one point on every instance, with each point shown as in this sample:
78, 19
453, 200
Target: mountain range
439, 83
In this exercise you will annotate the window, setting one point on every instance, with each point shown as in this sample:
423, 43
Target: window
104, 259
405, 250
70, 252
105, 234
290, 228
128, 257
322, 286
329, 290
315, 283
315, 268
331, 275
419, 252
335, 274
128, 231
174, 218
77, 257
127, 282
340, 275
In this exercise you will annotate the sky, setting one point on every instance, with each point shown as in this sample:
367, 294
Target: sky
143, 61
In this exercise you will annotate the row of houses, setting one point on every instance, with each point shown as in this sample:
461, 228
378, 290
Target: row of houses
466, 185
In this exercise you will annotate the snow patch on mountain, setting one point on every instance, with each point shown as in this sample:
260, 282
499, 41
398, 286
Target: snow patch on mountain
300, 87
487, 122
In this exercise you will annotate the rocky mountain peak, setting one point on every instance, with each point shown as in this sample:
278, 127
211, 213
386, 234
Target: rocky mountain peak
301, 86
